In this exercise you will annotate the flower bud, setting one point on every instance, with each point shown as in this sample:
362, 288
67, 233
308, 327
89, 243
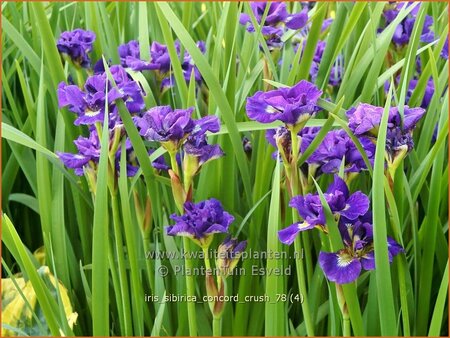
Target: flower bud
228, 256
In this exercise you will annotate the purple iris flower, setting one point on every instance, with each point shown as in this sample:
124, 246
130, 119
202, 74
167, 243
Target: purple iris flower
346, 265
365, 119
199, 148
88, 155
160, 60
76, 45
291, 105
338, 146
200, 221
309, 207
130, 57
196, 145
89, 104
88, 151
159, 55
162, 124
277, 17
403, 31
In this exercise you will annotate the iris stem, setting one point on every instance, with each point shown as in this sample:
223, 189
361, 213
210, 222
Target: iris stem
302, 287
174, 163
346, 330
217, 327
80, 77
206, 258
292, 174
190, 289
401, 270
123, 281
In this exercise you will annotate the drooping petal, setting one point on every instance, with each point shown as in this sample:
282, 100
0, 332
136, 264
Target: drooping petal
339, 267
288, 235
73, 161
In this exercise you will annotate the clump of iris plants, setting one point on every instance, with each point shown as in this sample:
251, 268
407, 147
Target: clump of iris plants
305, 139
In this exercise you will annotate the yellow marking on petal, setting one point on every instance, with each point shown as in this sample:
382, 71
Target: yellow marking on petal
344, 261
91, 113
303, 225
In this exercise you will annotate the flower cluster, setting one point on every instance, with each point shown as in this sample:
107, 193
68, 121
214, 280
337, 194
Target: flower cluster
76, 45
311, 210
276, 21
355, 225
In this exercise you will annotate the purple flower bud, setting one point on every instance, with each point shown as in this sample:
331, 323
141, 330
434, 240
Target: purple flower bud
198, 147
197, 150
228, 255
201, 221
160, 56
291, 105
76, 45
247, 145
